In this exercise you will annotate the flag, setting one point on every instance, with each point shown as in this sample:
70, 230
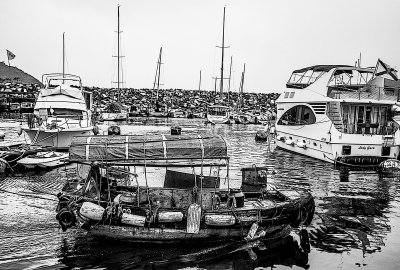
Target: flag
382, 68
10, 55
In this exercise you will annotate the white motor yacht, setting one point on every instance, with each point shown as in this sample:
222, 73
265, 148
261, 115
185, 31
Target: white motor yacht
62, 110
338, 113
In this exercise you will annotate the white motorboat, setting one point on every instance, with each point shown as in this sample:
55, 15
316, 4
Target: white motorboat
218, 114
44, 160
341, 114
62, 110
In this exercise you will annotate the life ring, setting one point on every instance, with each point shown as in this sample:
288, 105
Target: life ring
66, 218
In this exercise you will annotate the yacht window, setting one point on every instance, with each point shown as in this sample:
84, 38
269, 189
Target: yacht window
62, 111
364, 119
286, 94
291, 95
298, 115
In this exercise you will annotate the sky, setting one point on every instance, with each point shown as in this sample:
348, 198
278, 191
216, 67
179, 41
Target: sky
272, 38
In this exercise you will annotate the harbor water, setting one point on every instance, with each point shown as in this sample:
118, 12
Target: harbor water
356, 223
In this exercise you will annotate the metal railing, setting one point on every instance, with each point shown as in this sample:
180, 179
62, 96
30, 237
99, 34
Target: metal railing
57, 121
371, 129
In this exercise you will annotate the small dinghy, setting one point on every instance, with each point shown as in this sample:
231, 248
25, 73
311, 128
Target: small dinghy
44, 160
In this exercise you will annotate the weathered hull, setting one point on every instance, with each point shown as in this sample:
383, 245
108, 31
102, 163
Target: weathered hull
168, 235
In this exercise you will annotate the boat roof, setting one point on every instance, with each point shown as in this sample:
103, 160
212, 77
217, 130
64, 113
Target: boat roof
304, 77
48, 77
326, 68
150, 150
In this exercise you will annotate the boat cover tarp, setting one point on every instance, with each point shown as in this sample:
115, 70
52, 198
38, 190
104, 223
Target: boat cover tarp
140, 148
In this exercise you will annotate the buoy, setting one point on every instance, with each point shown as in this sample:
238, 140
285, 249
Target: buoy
301, 145
134, 220
114, 130
19, 130
95, 130
219, 220
280, 138
92, 211
170, 216
290, 142
261, 135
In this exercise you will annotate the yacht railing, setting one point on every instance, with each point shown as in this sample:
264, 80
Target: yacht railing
369, 128
373, 93
57, 121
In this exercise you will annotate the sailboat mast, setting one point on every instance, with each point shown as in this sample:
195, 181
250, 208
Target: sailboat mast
222, 60
159, 71
119, 94
200, 81
229, 82
241, 85
63, 53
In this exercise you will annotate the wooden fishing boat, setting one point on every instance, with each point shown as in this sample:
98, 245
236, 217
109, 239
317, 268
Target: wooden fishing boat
194, 200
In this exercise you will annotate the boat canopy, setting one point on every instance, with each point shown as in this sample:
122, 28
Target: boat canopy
62, 90
350, 76
318, 68
154, 150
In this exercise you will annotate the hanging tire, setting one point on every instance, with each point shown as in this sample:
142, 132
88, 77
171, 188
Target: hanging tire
66, 218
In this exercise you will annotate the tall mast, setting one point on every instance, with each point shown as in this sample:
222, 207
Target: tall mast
222, 60
119, 66
229, 81
242, 84
63, 53
119, 94
159, 71
200, 81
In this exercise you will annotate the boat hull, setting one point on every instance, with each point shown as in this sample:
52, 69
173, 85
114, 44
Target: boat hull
42, 161
169, 235
218, 119
360, 151
60, 139
115, 117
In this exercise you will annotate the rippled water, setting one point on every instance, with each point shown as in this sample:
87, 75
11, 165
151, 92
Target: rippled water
356, 225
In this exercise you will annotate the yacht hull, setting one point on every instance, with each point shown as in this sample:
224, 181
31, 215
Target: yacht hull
360, 150
60, 139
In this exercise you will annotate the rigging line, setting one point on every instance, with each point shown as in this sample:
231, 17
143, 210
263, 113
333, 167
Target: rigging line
26, 195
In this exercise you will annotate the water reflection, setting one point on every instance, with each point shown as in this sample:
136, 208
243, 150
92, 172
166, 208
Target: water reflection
355, 210
93, 253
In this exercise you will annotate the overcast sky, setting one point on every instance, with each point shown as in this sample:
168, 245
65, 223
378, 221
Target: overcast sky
272, 37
